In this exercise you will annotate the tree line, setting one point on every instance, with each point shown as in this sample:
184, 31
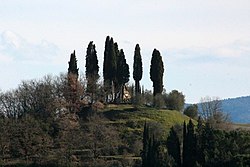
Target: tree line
116, 71
196, 146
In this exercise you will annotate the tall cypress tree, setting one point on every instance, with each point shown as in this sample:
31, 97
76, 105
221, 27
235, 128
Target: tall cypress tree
122, 71
112, 60
184, 147
156, 72
208, 145
137, 73
72, 69
71, 90
146, 145
92, 68
109, 66
199, 148
173, 146
189, 145
106, 60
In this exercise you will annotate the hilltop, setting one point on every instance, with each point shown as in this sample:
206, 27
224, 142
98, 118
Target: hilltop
133, 118
238, 108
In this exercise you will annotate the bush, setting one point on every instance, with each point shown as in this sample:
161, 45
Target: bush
192, 111
175, 100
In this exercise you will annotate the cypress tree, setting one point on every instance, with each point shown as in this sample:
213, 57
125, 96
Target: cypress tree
173, 146
112, 59
184, 147
105, 61
146, 143
208, 145
199, 150
190, 145
137, 66
92, 68
72, 69
122, 71
109, 66
156, 72
71, 90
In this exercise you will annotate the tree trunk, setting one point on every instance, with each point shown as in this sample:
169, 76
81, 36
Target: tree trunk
137, 88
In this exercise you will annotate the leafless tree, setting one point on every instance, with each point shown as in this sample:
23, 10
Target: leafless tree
211, 111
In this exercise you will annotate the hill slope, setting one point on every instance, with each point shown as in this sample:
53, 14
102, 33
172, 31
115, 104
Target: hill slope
132, 119
238, 108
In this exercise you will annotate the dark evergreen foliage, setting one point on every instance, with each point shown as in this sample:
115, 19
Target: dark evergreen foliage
113, 59
156, 72
73, 65
146, 143
106, 60
189, 145
108, 69
137, 68
184, 150
122, 72
92, 67
173, 146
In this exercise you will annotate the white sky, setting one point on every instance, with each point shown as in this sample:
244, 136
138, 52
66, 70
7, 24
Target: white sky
205, 44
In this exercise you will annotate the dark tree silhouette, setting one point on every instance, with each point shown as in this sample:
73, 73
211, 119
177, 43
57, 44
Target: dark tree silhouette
109, 66
173, 146
92, 69
156, 72
73, 65
122, 71
137, 73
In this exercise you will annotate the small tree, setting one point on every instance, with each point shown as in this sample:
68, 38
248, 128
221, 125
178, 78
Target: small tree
211, 111
192, 111
175, 100
159, 101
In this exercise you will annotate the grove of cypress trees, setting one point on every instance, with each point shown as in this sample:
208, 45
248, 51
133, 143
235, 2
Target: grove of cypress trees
137, 67
156, 72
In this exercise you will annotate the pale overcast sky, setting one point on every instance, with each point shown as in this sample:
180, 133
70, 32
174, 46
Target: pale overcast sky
205, 44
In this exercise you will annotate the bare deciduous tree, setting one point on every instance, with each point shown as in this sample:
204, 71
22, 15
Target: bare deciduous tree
211, 111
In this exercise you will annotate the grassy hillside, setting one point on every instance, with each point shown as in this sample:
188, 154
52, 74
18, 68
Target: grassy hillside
129, 118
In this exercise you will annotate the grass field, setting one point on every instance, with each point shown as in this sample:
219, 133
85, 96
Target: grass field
130, 118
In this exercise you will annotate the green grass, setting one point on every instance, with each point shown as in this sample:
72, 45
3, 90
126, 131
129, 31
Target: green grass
130, 119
